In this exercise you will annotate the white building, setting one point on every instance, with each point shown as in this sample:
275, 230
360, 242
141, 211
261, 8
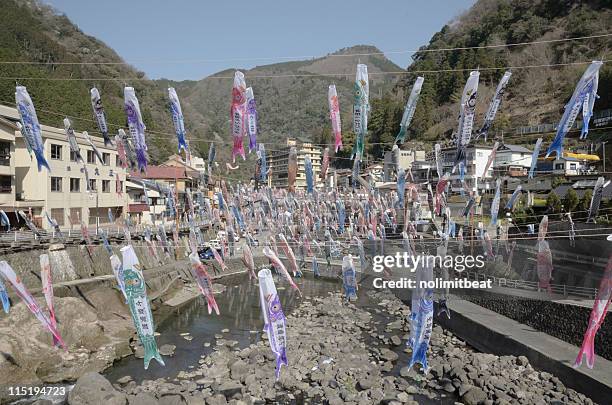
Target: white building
512, 160
64, 192
569, 164
405, 161
476, 160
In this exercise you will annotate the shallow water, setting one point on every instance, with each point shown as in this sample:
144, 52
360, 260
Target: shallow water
240, 313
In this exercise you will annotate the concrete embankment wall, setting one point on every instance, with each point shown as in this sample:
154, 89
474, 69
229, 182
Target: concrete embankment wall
563, 321
492, 331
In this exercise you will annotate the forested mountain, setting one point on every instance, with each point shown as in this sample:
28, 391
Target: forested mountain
34, 32
533, 96
292, 96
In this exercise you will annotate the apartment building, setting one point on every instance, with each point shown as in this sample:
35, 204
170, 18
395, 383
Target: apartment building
278, 161
476, 160
68, 192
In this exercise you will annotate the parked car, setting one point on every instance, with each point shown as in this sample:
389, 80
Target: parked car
206, 252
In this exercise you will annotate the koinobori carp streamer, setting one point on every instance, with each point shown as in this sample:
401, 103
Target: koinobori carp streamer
275, 323
136, 293
409, 109
237, 115
30, 127
136, 126
583, 98
199, 273
466, 118
361, 107
8, 273
334, 115
494, 106
177, 119
421, 316
46, 277
100, 115
251, 119
597, 317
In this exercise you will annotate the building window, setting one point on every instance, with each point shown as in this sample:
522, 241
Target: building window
92, 185
572, 166
58, 215
5, 153
106, 186
106, 158
75, 185
91, 157
56, 184
75, 214
73, 156
117, 161
559, 166
56, 152
5, 185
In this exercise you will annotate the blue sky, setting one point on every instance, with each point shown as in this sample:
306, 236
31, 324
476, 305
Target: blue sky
159, 36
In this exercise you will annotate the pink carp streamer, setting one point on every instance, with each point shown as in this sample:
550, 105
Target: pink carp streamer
334, 114
47, 288
596, 319
198, 270
281, 267
247, 259
544, 257
490, 159
290, 255
238, 115
20, 289
219, 259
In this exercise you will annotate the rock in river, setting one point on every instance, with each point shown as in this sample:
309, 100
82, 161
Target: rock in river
93, 389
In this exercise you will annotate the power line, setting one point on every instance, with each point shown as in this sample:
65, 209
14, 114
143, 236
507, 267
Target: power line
301, 57
289, 75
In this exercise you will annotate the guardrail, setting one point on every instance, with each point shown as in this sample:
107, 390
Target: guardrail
112, 230
561, 289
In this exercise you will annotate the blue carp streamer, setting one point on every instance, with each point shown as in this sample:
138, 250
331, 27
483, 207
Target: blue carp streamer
30, 127
421, 317
583, 98
534, 158
494, 106
136, 126
309, 174
513, 198
349, 279
401, 186
177, 119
